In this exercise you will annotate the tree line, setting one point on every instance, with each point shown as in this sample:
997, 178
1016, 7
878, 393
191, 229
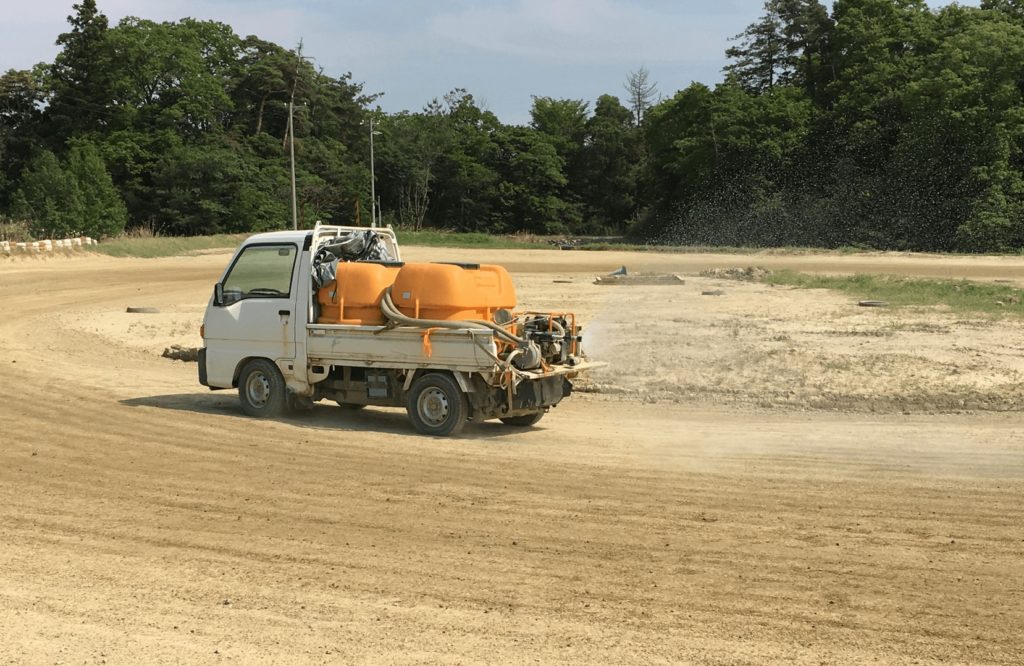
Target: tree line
880, 123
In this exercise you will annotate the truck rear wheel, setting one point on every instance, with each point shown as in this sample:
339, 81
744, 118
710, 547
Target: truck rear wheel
437, 406
261, 389
524, 421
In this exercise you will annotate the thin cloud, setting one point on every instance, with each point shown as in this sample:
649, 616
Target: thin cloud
567, 31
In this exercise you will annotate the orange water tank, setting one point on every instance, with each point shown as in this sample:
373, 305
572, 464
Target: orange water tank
354, 296
453, 291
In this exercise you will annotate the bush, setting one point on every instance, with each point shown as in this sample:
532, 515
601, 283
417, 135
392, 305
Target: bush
15, 231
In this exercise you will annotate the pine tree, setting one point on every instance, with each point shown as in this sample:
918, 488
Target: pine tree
103, 210
642, 93
81, 74
760, 60
49, 199
805, 30
786, 46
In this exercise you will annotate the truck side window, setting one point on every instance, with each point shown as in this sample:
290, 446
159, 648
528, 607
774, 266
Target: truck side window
261, 271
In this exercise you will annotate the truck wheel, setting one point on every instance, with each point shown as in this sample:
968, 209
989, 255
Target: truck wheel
437, 406
261, 389
524, 421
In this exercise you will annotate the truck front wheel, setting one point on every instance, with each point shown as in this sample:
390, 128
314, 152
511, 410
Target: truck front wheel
261, 389
437, 406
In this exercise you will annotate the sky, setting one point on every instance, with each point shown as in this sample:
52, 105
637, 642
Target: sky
501, 51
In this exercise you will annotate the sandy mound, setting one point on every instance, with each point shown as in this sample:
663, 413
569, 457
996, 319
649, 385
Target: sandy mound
808, 349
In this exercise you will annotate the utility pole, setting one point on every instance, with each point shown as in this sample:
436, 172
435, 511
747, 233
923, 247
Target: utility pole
373, 182
291, 135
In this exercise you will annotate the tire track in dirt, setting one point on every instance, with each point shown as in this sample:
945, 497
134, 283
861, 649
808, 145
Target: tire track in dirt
155, 524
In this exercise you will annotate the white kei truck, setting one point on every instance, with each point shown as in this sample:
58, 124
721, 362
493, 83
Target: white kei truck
333, 313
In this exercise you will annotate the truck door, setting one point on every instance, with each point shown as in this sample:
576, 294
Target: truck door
256, 312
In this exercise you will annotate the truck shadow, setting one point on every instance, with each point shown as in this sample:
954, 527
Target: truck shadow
323, 416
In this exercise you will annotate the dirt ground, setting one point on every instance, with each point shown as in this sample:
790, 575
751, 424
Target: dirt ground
764, 475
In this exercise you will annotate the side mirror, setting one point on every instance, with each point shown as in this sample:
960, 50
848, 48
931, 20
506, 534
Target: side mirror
218, 294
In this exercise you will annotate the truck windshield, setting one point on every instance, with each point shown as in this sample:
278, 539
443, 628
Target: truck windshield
261, 271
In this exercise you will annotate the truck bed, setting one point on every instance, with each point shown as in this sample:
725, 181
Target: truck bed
464, 350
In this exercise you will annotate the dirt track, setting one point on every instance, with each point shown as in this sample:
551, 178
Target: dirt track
144, 520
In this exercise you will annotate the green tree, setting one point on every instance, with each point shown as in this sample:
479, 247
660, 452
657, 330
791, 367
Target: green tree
787, 45
720, 158
172, 75
411, 146
466, 194
103, 210
968, 99
80, 77
531, 185
49, 199
1014, 9
611, 162
21, 95
563, 124
878, 46
806, 29
563, 121
886, 123
261, 78
194, 187
760, 59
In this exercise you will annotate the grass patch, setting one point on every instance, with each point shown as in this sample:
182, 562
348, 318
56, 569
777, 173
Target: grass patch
16, 232
784, 250
431, 238
166, 246
435, 238
957, 295
149, 246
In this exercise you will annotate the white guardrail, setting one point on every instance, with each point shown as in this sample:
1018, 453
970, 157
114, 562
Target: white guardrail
45, 246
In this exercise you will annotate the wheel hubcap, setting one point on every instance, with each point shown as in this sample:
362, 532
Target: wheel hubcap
433, 406
257, 389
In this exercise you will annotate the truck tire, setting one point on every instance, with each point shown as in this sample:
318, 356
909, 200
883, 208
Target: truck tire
261, 389
524, 421
437, 406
